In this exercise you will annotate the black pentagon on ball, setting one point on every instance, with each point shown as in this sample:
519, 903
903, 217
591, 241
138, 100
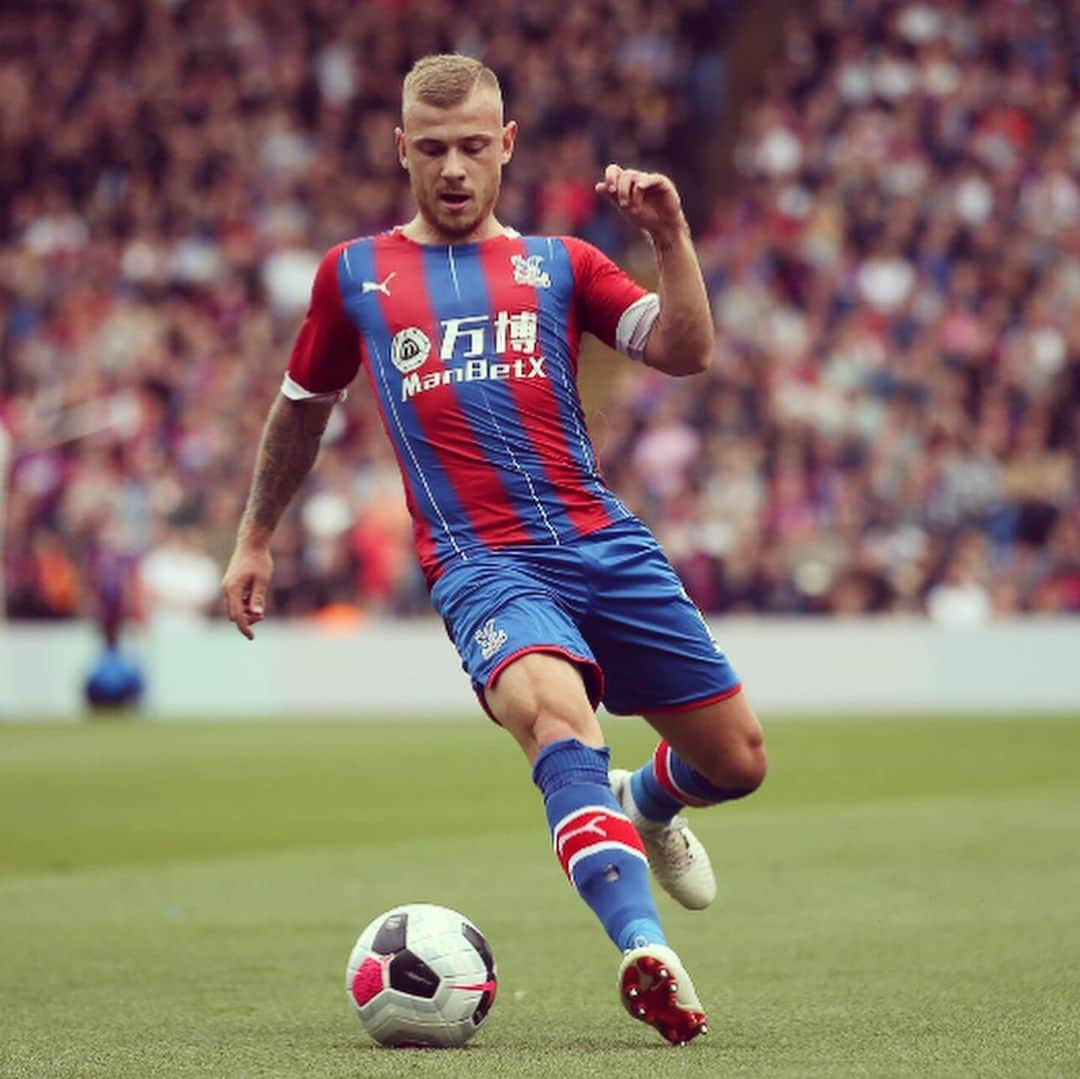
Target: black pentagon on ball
476, 939
391, 935
487, 998
410, 974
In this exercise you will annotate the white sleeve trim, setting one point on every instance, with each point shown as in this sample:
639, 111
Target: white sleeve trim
635, 324
295, 392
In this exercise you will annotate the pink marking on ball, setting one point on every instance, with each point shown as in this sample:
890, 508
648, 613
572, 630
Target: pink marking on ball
367, 982
482, 987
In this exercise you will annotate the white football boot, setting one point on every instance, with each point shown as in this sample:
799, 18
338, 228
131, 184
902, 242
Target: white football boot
655, 988
676, 856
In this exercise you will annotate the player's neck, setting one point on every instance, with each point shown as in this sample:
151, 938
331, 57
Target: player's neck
422, 231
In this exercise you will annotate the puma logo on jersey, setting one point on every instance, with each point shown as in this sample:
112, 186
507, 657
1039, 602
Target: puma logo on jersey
378, 286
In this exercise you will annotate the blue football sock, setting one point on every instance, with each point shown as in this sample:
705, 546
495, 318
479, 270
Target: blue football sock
667, 784
598, 847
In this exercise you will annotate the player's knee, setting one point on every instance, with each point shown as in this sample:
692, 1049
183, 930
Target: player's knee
737, 768
556, 722
556, 715
554, 727
542, 708
750, 766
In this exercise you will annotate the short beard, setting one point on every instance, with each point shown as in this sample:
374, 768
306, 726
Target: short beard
456, 229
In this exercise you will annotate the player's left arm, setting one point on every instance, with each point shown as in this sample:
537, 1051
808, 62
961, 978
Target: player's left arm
681, 339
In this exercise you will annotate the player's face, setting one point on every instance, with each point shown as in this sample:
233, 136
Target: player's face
454, 158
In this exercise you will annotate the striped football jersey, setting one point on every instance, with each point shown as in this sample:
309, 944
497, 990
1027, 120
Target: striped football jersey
471, 352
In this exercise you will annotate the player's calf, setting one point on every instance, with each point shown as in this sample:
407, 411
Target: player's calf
669, 782
596, 843
707, 755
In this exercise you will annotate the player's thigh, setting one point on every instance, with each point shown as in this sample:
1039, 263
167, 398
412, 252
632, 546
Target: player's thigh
530, 667
722, 740
541, 697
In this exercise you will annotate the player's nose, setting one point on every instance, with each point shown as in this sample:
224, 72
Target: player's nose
454, 165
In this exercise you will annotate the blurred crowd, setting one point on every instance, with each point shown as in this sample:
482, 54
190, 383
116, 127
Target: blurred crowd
893, 419
891, 423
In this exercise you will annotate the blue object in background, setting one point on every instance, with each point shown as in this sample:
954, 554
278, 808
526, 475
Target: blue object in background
116, 681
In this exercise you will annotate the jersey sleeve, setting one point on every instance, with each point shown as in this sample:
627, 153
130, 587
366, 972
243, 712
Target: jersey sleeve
611, 305
326, 354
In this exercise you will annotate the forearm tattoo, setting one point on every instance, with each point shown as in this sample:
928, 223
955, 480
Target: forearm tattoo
289, 446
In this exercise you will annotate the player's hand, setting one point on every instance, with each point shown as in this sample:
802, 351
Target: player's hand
245, 585
646, 199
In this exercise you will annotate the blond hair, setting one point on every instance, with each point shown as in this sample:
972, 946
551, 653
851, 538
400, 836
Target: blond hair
446, 79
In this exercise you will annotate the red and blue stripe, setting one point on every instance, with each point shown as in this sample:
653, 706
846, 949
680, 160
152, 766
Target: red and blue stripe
493, 462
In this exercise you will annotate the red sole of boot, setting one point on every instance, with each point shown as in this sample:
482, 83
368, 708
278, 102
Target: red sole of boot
649, 994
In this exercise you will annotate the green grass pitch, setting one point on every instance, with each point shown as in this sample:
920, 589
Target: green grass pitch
901, 899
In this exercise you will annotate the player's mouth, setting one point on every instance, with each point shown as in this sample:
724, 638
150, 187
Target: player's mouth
454, 200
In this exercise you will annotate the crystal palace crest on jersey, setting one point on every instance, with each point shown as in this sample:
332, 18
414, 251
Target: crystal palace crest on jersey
409, 348
528, 271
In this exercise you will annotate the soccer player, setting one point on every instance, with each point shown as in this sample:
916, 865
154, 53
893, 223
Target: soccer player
555, 595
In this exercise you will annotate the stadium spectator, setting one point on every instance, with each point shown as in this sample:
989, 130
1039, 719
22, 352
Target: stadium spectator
178, 580
897, 279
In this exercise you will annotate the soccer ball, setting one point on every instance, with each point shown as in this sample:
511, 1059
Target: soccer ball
421, 975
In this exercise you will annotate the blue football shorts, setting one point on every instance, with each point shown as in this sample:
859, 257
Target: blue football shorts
610, 602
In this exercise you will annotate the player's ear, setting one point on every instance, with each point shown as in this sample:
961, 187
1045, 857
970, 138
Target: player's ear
399, 141
509, 134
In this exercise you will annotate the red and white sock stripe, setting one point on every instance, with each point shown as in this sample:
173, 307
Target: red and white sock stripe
592, 829
666, 778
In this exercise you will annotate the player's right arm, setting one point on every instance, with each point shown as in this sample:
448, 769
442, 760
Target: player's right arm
287, 451
324, 360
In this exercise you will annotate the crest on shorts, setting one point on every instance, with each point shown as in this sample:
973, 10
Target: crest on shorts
528, 271
409, 348
490, 638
